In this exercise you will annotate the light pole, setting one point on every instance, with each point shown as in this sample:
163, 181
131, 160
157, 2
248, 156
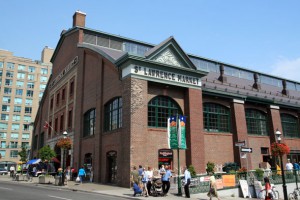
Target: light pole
278, 133
65, 133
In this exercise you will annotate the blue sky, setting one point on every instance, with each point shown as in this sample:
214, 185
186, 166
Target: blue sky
261, 35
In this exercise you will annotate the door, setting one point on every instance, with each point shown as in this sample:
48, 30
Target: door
112, 167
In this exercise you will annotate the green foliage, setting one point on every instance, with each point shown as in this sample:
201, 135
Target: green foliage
23, 154
46, 153
229, 166
210, 167
192, 171
259, 174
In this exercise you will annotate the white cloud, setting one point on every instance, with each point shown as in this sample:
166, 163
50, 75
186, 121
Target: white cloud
289, 69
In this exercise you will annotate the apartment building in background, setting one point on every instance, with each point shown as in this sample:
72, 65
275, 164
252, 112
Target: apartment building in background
22, 84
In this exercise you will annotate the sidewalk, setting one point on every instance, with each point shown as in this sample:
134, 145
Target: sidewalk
229, 194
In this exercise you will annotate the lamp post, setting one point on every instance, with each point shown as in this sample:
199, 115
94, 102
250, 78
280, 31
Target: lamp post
65, 133
278, 133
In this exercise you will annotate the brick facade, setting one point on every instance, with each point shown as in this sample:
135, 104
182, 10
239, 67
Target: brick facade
104, 74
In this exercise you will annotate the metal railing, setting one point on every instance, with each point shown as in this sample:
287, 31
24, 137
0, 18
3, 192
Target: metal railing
200, 183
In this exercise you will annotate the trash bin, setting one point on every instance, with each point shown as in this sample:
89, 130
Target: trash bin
58, 180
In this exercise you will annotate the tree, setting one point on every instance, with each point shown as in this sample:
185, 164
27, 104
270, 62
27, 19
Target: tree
210, 167
46, 153
23, 155
192, 171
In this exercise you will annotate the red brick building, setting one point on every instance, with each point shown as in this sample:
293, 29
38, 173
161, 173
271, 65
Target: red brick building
113, 96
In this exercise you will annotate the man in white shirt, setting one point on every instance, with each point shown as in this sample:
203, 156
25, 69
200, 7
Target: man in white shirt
12, 170
289, 165
187, 181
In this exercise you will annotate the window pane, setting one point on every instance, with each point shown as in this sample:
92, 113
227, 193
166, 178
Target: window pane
160, 108
216, 118
89, 122
290, 126
256, 122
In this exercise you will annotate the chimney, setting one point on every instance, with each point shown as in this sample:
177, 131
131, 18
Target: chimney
79, 19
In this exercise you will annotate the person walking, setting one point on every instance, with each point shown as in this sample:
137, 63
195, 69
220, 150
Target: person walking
134, 178
187, 182
212, 188
296, 167
289, 165
145, 181
150, 176
68, 174
166, 180
91, 175
81, 173
267, 189
12, 170
140, 172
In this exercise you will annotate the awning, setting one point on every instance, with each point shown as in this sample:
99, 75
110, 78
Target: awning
34, 161
54, 159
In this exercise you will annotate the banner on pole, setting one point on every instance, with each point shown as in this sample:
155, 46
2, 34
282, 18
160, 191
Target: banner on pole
172, 132
181, 132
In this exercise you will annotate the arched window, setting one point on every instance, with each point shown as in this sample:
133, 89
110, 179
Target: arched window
216, 118
113, 114
290, 125
159, 109
256, 122
89, 122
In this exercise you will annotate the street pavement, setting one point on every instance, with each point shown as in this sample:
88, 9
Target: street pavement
116, 191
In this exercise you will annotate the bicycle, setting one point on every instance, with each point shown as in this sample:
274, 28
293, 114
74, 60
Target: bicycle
274, 193
295, 194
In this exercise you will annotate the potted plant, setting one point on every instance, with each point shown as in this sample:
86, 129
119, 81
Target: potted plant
46, 153
64, 143
279, 149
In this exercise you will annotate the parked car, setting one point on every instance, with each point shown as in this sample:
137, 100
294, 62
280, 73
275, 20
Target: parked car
3, 171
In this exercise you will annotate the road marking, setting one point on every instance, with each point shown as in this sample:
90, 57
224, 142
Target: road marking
58, 197
5, 188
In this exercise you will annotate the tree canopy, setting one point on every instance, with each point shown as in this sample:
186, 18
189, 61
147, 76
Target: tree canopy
46, 153
23, 155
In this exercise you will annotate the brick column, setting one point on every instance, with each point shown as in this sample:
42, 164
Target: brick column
275, 123
239, 128
194, 135
135, 126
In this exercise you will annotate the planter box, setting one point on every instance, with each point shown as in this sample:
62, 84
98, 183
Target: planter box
46, 179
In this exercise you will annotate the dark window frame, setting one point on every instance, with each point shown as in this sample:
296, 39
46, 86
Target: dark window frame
257, 122
113, 114
160, 108
290, 125
89, 123
216, 118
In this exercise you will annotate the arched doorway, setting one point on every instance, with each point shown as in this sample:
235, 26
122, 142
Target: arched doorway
111, 167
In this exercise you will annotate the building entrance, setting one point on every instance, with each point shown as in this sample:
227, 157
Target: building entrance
112, 167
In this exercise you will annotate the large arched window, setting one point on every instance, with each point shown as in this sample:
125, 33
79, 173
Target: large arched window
89, 122
290, 125
216, 118
159, 109
113, 114
256, 122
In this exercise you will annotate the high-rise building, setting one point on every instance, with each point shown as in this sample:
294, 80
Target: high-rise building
22, 84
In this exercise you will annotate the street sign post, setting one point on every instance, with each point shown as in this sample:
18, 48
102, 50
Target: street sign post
246, 150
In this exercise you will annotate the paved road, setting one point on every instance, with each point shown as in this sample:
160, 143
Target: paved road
17, 191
